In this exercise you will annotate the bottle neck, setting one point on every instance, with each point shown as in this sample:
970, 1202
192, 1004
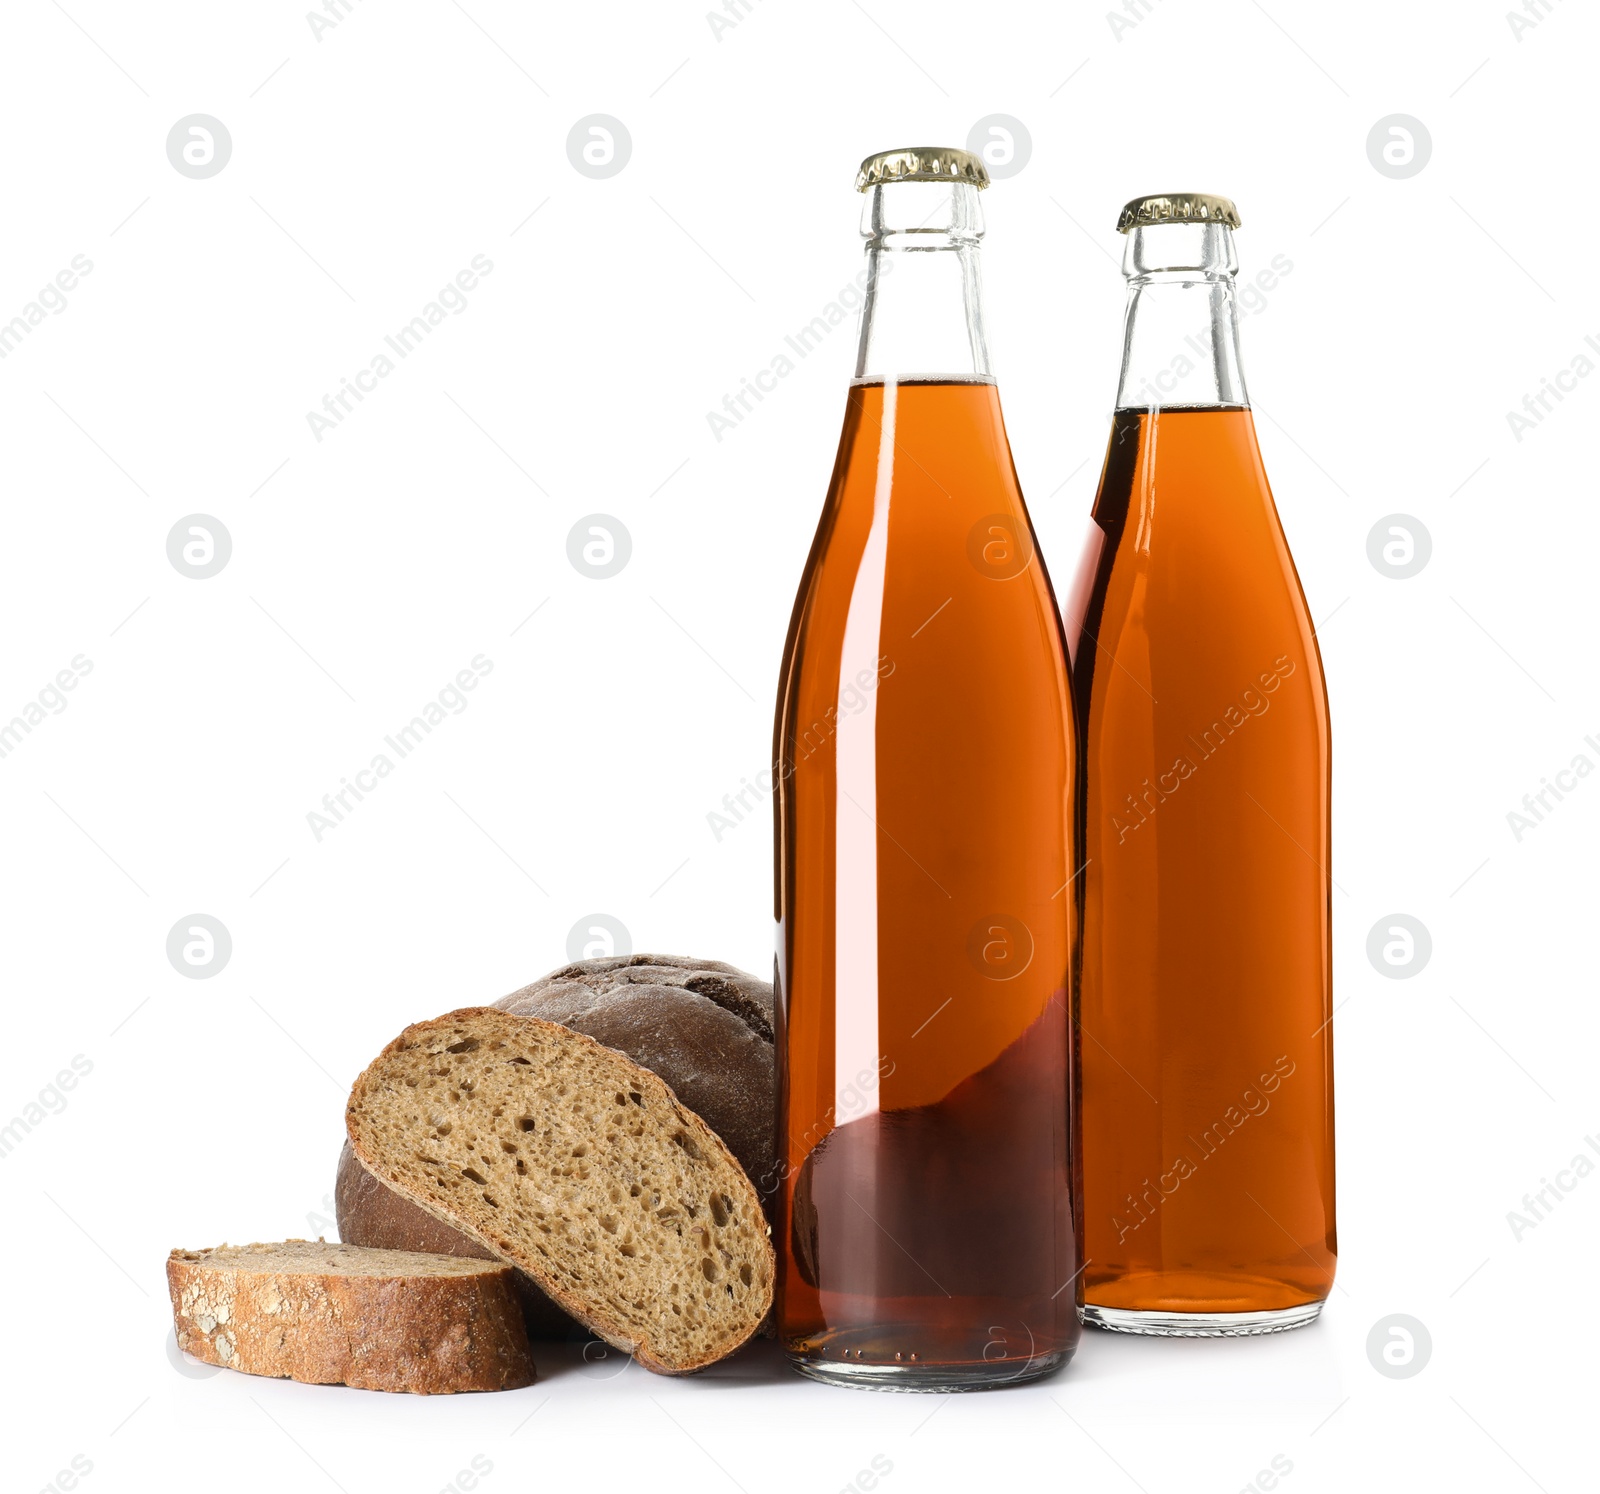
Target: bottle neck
1180, 345
922, 318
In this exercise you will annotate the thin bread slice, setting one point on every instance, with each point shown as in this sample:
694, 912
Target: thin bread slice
578, 1166
346, 1315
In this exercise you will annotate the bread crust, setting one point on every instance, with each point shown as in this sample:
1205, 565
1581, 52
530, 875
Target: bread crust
583, 1306
397, 1331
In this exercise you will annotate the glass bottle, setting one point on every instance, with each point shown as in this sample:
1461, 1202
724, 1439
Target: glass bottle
925, 766
1204, 817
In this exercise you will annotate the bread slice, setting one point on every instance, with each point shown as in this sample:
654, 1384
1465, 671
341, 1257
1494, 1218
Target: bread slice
581, 1168
344, 1315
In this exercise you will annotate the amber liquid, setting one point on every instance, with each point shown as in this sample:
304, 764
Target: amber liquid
925, 763
1206, 1050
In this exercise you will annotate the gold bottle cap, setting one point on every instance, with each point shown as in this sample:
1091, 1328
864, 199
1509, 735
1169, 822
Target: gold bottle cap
1178, 207
922, 163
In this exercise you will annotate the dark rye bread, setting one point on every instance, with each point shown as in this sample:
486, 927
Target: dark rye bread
341, 1315
703, 1026
579, 1167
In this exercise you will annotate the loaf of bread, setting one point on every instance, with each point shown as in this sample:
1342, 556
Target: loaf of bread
581, 1168
343, 1315
703, 1026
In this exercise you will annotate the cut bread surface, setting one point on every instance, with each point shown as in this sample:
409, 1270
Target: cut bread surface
580, 1167
341, 1314
318, 1258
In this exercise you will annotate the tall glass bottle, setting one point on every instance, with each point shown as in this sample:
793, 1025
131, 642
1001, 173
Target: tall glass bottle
1203, 726
925, 766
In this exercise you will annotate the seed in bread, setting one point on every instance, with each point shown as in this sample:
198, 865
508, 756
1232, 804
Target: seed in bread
344, 1315
579, 1167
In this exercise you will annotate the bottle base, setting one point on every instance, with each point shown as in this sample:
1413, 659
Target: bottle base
1200, 1324
932, 1379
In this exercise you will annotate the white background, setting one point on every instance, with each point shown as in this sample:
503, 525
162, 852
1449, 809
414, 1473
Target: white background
368, 168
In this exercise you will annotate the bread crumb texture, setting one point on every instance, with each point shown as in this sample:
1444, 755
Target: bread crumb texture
580, 1167
345, 1315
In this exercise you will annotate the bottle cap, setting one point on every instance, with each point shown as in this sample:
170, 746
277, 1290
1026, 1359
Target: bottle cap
1178, 207
922, 163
